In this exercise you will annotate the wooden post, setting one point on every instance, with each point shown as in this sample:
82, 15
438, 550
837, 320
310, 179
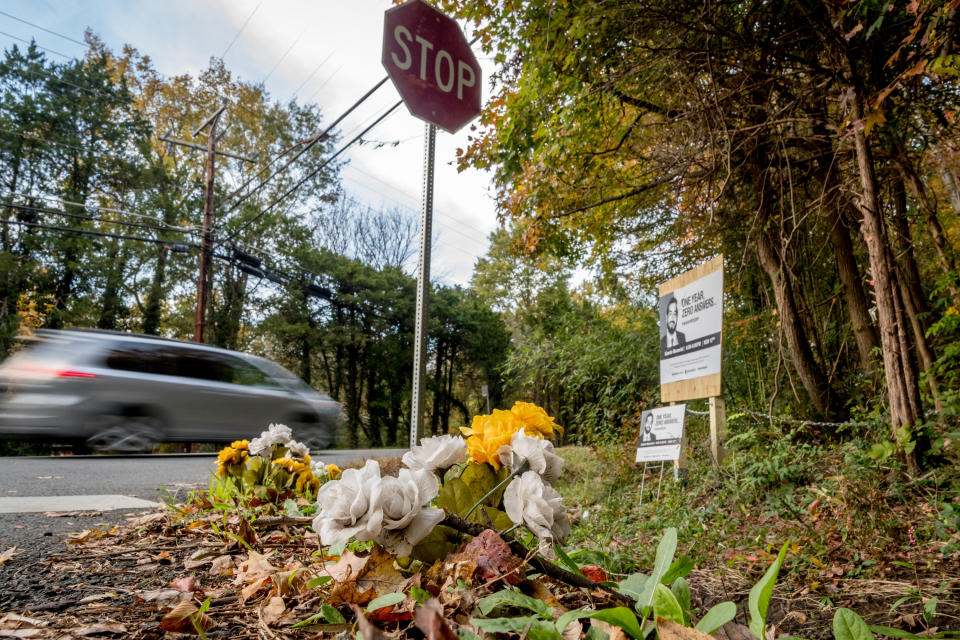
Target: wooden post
718, 429
680, 464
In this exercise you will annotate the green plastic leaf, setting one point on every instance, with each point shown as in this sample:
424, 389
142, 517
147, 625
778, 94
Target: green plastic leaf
514, 625
893, 633
510, 598
847, 625
719, 615
665, 605
617, 616
681, 591
386, 600
761, 593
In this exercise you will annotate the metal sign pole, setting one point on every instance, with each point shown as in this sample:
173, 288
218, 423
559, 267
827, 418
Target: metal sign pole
423, 288
643, 479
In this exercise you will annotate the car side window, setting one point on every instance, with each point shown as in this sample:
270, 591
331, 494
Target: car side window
248, 375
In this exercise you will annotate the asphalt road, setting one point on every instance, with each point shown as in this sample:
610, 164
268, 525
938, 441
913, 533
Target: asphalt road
88, 486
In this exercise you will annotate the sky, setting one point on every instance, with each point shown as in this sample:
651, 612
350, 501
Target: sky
321, 51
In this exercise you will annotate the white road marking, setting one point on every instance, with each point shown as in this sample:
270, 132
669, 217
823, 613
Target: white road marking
39, 504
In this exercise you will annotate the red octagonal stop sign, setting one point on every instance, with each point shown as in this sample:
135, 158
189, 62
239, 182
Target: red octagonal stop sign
431, 64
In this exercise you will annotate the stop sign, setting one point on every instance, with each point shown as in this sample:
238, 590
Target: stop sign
431, 65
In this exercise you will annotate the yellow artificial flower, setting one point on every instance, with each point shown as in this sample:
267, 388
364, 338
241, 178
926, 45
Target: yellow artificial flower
241, 445
537, 422
231, 456
291, 465
333, 471
490, 432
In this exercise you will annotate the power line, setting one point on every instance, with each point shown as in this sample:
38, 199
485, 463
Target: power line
60, 200
36, 26
90, 232
312, 173
312, 73
139, 225
245, 23
283, 57
34, 43
307, 145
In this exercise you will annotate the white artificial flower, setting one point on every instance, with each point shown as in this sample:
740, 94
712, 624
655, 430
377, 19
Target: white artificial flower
297, 448
436, 453
275, 434
538, 506
536, 451
318, 468
279, 433
259, 445
350, 507
405, 520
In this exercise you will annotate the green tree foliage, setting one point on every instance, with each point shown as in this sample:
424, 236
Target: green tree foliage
792, 137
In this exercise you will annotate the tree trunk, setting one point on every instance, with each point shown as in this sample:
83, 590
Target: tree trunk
153, 309
896, 364
812, 378
857, 308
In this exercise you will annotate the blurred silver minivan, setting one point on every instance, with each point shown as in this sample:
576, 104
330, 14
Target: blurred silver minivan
114, 391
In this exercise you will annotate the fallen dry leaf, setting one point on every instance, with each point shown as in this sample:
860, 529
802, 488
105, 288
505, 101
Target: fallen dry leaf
733, 631
293, 579
670, 630
347, 567
72, 514
161, 596
20, 633
430, 621
181, 619
164, 557
7, 556
100, 628
370, 632
271, 611
16, 620
188, 584
222, 566
377, 577
613, 632
254, 572
494, 558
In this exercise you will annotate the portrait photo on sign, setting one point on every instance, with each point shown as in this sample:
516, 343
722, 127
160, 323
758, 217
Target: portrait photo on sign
661, 433
691, 325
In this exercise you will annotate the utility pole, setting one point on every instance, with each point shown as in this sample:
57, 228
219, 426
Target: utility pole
206, 241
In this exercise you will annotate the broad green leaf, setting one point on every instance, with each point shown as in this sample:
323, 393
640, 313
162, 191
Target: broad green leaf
386, 600
566, 560
466, 634
761, 593
847, 625
331, 615
514, 625
618, 616
510, 598
420, 595
893, 633
680, 568
316, 582
290, 507
661, 564
633, 585
719, 615
665, 605
338, 548
681, 591
594, 633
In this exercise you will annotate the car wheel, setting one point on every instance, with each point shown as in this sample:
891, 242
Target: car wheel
315, 435
126, 433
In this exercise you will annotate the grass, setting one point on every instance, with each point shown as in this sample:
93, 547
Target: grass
863, 534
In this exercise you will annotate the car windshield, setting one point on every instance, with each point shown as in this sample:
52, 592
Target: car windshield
281, 375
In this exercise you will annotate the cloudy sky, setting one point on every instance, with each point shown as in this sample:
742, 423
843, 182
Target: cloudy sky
322, 51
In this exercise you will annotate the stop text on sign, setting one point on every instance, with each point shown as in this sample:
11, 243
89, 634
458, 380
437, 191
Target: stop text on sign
446, 71
431, 65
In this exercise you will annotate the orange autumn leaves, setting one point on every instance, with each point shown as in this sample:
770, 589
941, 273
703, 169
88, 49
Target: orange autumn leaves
491, 431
